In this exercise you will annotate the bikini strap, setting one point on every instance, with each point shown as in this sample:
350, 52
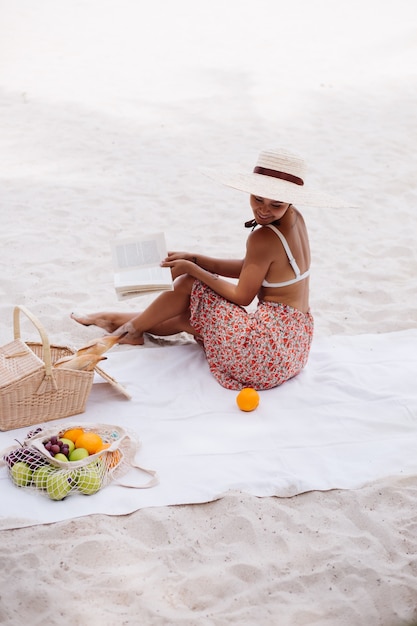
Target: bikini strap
287, 249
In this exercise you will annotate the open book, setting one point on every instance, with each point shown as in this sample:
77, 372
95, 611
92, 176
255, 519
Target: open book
137, 266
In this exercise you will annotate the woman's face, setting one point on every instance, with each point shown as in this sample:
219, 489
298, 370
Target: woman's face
267, 211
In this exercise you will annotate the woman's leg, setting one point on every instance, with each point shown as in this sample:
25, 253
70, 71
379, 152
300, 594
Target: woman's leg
109, 321
169, 313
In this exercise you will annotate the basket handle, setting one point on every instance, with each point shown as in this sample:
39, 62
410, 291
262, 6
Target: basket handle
47, 359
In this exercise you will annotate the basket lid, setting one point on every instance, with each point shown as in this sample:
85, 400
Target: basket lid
113, 382
17, 361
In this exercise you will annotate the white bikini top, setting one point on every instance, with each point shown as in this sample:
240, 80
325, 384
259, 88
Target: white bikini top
293, 263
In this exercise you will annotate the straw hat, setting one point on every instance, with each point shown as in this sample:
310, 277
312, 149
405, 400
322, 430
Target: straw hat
278, 175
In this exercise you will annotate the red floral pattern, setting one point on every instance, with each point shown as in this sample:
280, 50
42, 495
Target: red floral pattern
260, 349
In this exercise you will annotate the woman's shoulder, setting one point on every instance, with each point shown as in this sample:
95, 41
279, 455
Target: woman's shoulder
262, 243
262, 232
261, 236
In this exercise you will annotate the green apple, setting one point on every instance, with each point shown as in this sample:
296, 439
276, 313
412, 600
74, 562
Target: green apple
100, 465
78, 454
61, 457
89, 480
58, 485
40, 475
70, 444
21, 474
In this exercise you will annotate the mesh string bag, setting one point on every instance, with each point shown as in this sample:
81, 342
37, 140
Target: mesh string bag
31, 465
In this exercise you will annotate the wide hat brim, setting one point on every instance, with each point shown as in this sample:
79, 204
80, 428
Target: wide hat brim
274, 188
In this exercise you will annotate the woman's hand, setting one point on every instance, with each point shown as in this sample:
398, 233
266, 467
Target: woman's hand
176, 256
179, 266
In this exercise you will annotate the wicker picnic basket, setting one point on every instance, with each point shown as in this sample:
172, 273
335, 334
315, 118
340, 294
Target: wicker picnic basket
31, 389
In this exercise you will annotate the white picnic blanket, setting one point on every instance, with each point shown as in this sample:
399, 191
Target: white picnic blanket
349, 418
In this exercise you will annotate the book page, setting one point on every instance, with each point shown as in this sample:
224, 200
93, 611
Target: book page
137, 266
141, 279
146, 251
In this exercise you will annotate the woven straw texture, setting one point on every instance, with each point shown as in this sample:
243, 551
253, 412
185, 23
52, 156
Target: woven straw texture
31, 390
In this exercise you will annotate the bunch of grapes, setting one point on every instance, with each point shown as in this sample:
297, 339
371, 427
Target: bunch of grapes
55, 446
30, 456
26, 454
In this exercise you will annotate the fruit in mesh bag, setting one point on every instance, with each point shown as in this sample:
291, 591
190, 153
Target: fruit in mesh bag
92, 442
66, 443
40, 476
89, 478
21, 474
30, 456
58, 484
113, 459
61, 457
78, 454
74, 445
56, 446
72, 434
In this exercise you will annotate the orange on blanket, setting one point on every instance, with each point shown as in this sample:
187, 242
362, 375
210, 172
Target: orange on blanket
247, 399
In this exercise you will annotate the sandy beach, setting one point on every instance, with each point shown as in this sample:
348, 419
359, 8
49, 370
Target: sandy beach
108, 111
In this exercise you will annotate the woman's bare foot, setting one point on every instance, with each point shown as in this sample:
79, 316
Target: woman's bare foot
128, 334
132, 339
110, 322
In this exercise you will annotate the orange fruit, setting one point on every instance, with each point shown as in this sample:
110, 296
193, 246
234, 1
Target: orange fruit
103, 446
72, 434
247, 399
90, 441
114, 458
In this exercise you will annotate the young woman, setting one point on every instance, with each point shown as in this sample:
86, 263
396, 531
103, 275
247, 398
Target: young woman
263, 348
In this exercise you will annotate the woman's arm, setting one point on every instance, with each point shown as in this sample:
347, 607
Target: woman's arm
253, 270
224, 267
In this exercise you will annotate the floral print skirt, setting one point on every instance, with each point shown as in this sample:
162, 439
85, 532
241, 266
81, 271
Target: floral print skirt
260, 349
